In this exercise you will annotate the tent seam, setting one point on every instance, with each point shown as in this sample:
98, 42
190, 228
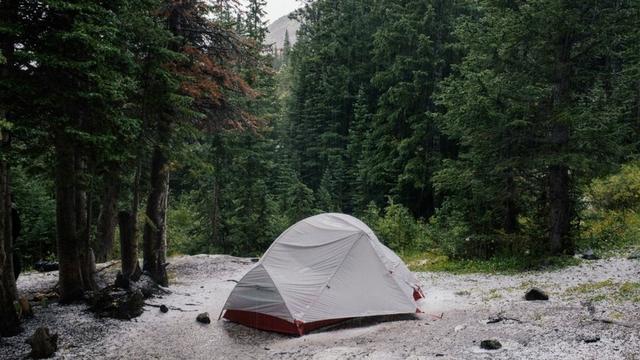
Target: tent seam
324, 286
279, 293
393, 277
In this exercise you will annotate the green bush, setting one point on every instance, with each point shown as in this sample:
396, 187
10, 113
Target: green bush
34, 199
398, 229
184, 230
611, 217
619, 192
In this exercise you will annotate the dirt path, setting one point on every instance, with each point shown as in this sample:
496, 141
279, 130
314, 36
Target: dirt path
542, 330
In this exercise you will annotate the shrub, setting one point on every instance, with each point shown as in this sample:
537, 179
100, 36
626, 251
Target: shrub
611, 217
397, 228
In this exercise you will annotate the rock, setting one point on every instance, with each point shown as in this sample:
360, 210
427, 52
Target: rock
490, 344
164, 309
25, 308
46, 266
459, 328
117, 304
591, 339
203, 318
536, 294
43, 344
589, 255
634, 256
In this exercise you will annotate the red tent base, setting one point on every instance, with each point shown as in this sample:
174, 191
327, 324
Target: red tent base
272, 323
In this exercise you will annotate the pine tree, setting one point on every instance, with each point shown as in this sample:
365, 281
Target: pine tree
9, 322
414, 53
528, 106
323, 97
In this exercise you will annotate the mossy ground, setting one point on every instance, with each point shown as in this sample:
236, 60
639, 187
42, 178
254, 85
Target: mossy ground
434, 262
608, 290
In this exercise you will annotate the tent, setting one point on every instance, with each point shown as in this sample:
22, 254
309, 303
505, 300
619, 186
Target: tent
322, 270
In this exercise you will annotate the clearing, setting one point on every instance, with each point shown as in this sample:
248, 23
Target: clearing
593, 312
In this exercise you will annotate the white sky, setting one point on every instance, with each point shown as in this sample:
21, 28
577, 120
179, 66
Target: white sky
278, 8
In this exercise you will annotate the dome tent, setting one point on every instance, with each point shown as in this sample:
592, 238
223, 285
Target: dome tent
322, 270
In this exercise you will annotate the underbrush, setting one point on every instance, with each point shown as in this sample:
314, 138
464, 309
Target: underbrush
434, 262
608, 290
611, 217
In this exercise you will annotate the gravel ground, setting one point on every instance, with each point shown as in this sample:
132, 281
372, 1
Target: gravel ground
554, 329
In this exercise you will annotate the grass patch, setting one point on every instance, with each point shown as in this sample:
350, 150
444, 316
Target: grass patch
629, 291
493, 294
434, 262
590, 287
608, 290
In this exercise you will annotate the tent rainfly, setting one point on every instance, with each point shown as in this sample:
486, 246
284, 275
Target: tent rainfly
322, 270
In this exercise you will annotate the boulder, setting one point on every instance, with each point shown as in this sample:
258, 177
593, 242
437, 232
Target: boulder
46, 266
43, 344
536, 294
203, 318
490, 344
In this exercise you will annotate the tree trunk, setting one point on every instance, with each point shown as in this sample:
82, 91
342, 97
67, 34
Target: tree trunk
107, 218
70, 282
558, 173
85, 215
155, 249
9, 322
560, 211
216, 236
511, 210
128, 245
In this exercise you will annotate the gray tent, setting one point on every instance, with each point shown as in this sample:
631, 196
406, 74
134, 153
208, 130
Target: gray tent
324, 269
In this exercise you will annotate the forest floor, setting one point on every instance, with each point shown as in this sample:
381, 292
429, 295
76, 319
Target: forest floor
593, 313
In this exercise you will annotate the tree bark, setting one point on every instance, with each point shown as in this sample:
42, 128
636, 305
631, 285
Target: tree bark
70, 282
9, 322
560, 207
558, 173
154, 242
107, 218
128, 245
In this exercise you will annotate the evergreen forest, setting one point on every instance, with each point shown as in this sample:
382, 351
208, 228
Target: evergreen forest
476, 133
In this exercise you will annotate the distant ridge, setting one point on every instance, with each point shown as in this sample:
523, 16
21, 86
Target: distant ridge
277, 30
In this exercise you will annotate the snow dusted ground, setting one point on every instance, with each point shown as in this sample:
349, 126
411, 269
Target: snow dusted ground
554, 329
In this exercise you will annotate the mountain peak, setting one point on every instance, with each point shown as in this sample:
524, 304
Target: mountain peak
277, 31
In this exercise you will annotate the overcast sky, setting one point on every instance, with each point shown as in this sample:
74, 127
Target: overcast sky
278, 8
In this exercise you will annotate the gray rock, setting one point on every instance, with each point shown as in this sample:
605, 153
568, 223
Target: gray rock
589, 255
490, 344
43, 344
591, 339
203, 318
536, 294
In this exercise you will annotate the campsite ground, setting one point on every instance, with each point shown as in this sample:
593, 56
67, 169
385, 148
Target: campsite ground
593, 313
